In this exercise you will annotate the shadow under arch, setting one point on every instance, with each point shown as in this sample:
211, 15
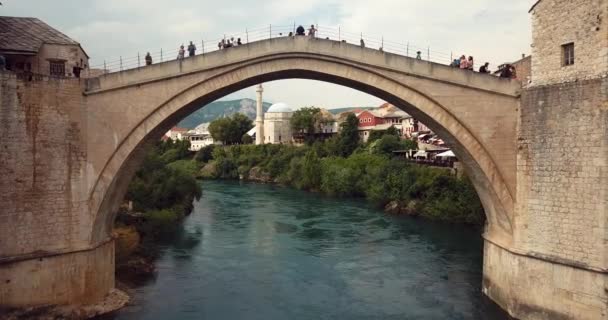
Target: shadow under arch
113, 181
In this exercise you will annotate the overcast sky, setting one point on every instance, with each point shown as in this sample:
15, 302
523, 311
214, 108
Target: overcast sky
491, 30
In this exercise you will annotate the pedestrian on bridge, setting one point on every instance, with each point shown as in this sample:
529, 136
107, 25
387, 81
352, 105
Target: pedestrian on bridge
362, 43
181, 53
312, 31
470, 64
191, 49
463, 62
419, 55
300, 31
506, 72
485, 68
148, 59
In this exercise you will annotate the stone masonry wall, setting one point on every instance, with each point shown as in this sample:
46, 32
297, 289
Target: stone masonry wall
558, 22
42, 165
563, 173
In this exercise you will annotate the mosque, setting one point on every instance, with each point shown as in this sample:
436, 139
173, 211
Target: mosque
274, 126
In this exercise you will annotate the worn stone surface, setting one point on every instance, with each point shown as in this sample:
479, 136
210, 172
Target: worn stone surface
43, 192
75, 278
536, 289
562, 172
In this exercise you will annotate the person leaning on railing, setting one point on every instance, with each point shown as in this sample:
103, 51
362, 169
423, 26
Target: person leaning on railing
300, 31
148, 59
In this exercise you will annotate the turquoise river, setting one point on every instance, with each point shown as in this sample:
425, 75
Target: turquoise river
252, 251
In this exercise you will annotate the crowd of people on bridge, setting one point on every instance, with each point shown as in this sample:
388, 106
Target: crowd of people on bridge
229, 43
506, 71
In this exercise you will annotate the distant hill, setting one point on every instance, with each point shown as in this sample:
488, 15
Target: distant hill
220, 109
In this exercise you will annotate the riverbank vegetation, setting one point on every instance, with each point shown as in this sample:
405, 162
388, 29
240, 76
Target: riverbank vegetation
159, 196
164, 187
343, 167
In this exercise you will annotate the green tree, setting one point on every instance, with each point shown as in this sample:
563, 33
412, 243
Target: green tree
305, 120
230, 130
392, 131
375, 135
386, 145
220, 129
159, 185
348, 139
246, 139
409, 144
242, 124
205, 154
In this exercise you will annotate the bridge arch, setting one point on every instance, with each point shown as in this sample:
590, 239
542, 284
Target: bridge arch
496, 194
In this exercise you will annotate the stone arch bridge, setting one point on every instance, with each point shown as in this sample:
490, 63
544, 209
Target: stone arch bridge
70, 149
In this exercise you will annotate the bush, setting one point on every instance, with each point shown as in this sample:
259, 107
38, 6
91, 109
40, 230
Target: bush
159, 185
159, 221
205, 154
187, 167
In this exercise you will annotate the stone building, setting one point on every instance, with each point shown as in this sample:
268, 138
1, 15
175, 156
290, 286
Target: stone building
560, 214
32, 46
175, 133
386, 116
570, 40
199, 137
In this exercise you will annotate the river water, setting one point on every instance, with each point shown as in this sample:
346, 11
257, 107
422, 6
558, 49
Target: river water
252, 251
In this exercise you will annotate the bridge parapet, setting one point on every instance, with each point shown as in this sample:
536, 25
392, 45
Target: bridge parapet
304, 47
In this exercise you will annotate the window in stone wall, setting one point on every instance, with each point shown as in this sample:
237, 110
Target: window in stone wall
568, 54
57, 68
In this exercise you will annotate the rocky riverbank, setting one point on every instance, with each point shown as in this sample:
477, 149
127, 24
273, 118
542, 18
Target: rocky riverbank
132, 262
113, 301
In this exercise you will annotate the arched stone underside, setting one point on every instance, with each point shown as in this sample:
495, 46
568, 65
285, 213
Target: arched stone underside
428, 104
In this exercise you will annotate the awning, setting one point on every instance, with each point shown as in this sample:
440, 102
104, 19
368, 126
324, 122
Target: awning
448, 154
420, 153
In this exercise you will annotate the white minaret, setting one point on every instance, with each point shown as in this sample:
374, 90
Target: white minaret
259, 119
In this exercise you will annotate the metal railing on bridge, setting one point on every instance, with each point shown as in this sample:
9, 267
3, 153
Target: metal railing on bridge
403, 48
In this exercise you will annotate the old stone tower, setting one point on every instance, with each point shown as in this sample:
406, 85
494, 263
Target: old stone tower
562, 170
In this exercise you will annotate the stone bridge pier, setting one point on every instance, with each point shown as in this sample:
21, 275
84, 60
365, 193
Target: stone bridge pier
537, 156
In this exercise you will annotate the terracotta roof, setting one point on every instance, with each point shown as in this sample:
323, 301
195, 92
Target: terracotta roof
178, 129
27, 35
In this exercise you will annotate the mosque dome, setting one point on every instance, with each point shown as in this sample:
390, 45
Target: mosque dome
279, 107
